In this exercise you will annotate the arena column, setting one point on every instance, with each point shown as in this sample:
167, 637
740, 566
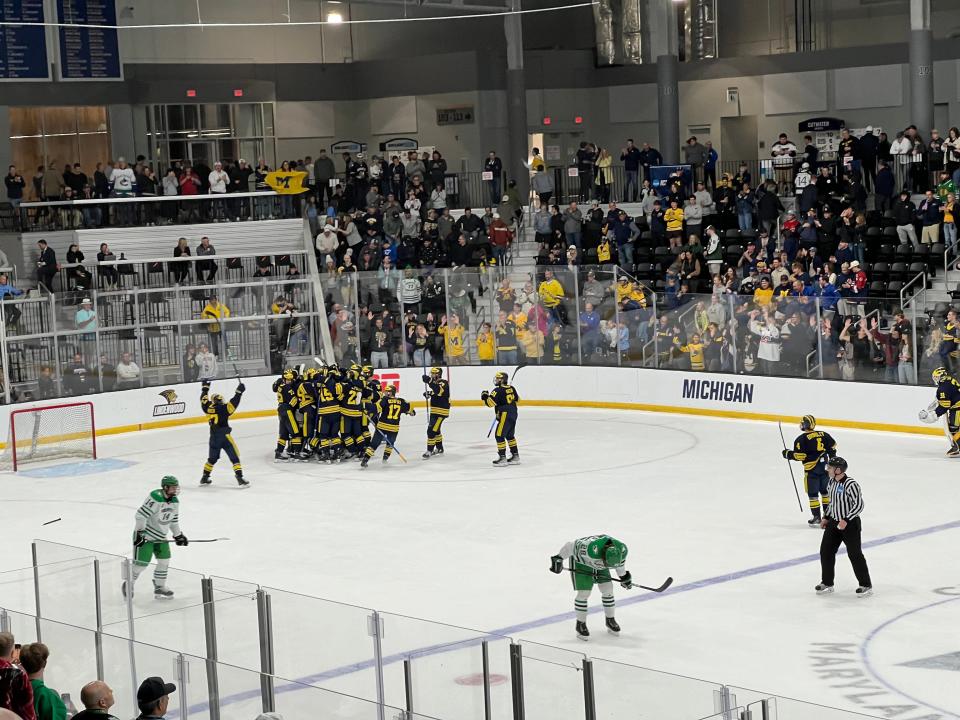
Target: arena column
921, 67
517, 149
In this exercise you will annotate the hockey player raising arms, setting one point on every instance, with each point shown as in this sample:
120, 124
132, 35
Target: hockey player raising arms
437, 394
218, 415
503, 399
593, 558
159, 514
813, 448
387, 415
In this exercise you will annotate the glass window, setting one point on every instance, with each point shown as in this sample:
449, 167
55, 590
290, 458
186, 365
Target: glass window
251, 151
268, 119
26, 122
227, 150
182, 120
177, 151
249, 120
60, 121
92, 119
215, 119
28, 155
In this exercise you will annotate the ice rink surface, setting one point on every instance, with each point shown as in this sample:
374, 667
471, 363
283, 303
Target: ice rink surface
456, 540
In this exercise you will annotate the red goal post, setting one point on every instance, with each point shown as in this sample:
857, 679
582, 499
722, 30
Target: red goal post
44, 433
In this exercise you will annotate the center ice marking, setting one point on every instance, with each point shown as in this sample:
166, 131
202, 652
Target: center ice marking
477, 679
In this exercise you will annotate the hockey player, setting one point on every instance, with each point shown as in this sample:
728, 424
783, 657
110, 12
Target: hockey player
289, 437
503, 399
329, 395
813, 448
437, 394
946, 405
218, 416
387, 414
351, 414
307, 402
159, 514
592, 559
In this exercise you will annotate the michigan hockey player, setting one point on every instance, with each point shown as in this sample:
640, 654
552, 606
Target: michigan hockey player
351, 415
307, 403
329, 396
503, 399
289, 435
946, 405
437, 393
218, 415
813, 448
159, 515
592, 559
387, 416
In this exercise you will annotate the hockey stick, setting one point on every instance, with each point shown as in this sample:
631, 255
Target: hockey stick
666, 583
793, 480
515, 371
188, 542
387, 440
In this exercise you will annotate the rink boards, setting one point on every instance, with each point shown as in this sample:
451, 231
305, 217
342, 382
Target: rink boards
868, 406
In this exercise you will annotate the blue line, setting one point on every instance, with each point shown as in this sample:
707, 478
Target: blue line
865, 655
333, 673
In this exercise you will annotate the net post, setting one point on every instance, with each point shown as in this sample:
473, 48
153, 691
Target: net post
93, 430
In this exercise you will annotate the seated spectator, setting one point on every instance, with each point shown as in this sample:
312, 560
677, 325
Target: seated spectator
76, 380
128, 372
206, 269
46, 701
181, 270
16, 692
108, 374
107, 272
97, 699
8, 292
153, 697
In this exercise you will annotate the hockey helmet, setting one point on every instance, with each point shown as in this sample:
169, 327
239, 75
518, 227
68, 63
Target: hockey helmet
500, 378
216, 399
808, 422
310, 373
940, 374
289, 375
837, 462
436, 373
390, 390
366, 371
170, 486
614, 553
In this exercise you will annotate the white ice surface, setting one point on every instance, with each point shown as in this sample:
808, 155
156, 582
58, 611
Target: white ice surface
458, 541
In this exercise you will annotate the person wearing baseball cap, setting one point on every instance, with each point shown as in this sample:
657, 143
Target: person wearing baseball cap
153, 697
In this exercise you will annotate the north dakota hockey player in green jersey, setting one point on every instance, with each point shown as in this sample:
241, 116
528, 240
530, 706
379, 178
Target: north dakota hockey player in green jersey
159, 515
592, 559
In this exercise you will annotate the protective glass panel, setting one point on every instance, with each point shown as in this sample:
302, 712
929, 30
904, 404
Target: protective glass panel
552, 682
659, 694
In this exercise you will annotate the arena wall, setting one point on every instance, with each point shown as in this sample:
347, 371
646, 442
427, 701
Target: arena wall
835, 403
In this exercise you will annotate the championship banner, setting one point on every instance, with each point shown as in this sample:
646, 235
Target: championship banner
286, 183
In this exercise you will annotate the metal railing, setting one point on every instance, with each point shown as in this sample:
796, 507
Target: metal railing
237, 649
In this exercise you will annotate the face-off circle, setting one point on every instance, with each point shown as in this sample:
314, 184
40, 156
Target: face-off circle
477, 679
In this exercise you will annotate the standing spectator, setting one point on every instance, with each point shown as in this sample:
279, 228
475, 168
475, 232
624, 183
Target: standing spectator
206, 363
649, 157
929, 215
950, 210
572, 224
206, 269
123, 182
810, 152
218, 180
86, 319
46, 701
15, 185
585, 158
604, 170
551, 296
16, 692
630, 157
215, 311
695, 155
191, 369
128, 372
500, 239
673, 216
453, 339
842, 525
868, 145
769, 208
409, 292
494, 165
783, 152
46, 265
542, 184
745, 203
323, 172
97, 699
710, 161
884, 186
904, 213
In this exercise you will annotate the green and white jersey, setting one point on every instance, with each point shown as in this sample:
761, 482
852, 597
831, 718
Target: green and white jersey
590, 551
158, 515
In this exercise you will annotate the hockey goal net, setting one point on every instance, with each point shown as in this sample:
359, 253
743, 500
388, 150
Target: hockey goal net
46, 433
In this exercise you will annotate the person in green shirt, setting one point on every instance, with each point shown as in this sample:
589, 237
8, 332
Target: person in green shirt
46, 701
945, 187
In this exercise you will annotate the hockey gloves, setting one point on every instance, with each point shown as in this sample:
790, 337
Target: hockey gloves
425, 378
241, 388
139, 539
556, 564
412, 412
181, 540
787, 454
626, 580
484, 395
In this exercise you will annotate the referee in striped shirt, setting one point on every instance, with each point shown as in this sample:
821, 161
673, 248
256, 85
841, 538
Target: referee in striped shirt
842, 525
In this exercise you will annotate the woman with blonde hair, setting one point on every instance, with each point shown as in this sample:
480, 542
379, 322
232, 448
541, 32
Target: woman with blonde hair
604, 174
